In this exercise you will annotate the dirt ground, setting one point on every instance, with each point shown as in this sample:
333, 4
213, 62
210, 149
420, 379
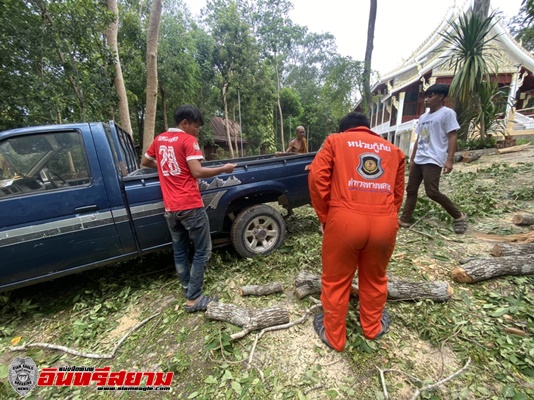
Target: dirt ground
299, 355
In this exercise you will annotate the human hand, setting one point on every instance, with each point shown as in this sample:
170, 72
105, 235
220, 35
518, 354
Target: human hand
322, 227
447, 168
229, 168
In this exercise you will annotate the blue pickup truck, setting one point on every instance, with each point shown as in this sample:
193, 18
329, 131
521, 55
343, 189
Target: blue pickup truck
73, 197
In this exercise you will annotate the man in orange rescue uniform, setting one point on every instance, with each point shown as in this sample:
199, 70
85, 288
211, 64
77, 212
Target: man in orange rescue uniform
356, 185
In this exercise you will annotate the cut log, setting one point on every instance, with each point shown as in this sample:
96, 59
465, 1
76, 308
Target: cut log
308, 283
513, 149
507, 250
457, 157
248, 319
486, 268
523, 220
261, 290
469, 157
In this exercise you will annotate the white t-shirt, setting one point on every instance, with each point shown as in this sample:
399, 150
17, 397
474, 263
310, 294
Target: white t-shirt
432, 139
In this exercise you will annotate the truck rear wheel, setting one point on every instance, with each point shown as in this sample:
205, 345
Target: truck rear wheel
259, 229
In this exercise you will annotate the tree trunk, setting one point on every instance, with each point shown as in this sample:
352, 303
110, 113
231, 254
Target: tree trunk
248, 319
308, 283
523, 220
366, 103
164, 108
507, 250
279, 104
151, 73
481, 7
111, 37
227, 127
481, 269
261, 290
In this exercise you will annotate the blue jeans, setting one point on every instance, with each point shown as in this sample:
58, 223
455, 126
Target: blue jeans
185, 226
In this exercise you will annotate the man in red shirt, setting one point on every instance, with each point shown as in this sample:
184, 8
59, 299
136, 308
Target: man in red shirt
176, 154
356, 186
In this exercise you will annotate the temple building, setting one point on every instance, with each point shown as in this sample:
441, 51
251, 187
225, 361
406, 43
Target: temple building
400, 92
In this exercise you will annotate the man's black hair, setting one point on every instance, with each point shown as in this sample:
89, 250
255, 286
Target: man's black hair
188, 112
438, 88
353, 120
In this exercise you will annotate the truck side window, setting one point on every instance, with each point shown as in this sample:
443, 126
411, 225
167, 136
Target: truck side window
123, 150
40, 162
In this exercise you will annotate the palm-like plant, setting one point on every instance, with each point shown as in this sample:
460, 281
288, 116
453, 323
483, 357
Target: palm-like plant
470, 57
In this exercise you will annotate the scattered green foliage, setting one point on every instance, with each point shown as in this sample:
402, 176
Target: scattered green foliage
92, 311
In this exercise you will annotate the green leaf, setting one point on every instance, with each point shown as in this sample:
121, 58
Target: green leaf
441, 258
333, 394
210, 380
3, 371
520, 396
237, 387
500, 311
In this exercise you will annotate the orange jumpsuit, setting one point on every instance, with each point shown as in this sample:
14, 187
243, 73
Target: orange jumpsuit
356, 185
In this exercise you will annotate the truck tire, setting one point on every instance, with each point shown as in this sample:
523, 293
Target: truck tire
258, 229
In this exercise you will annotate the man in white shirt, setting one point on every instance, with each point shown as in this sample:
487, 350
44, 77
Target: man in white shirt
433, 152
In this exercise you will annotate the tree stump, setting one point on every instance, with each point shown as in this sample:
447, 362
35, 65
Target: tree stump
261, 290
482, 269
308, 283
507, 250
523, 220
248, 319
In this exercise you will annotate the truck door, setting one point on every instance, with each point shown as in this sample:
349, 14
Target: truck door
55, 215
142, 198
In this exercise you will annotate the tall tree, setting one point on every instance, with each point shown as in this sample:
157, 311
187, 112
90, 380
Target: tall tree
55, 65
232, 49
274, 30
366, 95
521, 25
152, 73
111, 37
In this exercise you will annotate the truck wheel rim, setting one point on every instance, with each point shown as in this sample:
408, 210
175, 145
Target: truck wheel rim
261, 234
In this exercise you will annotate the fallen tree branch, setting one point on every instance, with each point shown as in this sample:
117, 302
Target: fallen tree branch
82, 354
519, 237
308, 283
513, 149
481, 269
443, 381
261, 290
426, 388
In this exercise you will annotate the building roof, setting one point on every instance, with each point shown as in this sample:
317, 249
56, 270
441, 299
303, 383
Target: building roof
219, 130
432, 54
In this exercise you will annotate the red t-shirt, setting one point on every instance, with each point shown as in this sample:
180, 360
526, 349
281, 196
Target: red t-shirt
171, 150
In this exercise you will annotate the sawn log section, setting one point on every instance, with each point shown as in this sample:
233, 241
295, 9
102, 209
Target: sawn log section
480, 269
308, 283
248, 319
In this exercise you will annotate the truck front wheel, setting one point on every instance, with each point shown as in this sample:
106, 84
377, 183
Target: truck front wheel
259, 229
